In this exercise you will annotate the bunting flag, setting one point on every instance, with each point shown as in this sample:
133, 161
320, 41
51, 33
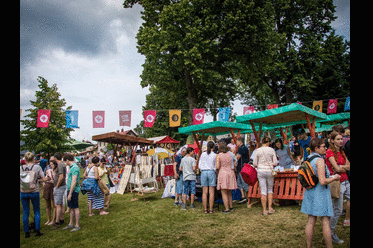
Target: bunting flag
317, 105
347, 104
272, 106
175, 117
248, 110
224, 114
332, 106
98, 119
43, 118
198, 116
125, 118
149, 117
72, 119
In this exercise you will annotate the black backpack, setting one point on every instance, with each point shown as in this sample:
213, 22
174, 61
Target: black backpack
306, 175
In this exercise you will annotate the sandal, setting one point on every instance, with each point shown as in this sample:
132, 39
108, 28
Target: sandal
206, 212
212, 211
271, 211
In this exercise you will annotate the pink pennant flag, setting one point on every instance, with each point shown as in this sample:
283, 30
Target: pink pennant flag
125, 118
43, 118
332, 106
272, 106
149, 117
248, 110
98, 119
198, 116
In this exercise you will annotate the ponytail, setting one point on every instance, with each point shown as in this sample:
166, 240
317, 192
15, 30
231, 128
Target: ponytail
210, 145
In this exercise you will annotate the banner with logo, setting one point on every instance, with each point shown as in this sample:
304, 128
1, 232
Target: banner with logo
317, 105
72, 119
149, 117
43, 118
198, 116
347, 104
125, 118
332, 106
224, 114
248, 110
175, 117
98, 119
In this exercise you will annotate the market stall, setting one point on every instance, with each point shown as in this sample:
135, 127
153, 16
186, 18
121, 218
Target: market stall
285, 116
213, 128
118, 140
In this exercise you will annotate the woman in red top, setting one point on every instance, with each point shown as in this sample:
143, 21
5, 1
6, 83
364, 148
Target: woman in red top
337, 162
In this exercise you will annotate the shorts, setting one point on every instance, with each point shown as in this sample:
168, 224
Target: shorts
58, 194
179, 185
74, 203
189, 185
208, 178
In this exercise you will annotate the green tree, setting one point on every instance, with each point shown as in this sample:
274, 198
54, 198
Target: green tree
53, 138
304, 56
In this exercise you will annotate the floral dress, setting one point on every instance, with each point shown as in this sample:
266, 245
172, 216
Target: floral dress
226, 177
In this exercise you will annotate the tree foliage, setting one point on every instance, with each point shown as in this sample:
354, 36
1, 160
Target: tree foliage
53, 138
209, 52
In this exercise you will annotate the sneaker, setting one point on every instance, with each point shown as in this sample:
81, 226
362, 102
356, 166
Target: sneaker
231, 209
55, 226
38, 233
176, 203
192, 206
346, 223
68, 227
183, 207
75, 229
242, 200
336, 240
226, 212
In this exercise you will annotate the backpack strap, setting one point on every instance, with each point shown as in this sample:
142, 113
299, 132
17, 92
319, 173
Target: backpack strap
313, 157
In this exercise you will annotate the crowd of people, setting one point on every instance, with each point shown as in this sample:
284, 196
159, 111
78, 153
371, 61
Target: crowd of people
219, 166
61, 187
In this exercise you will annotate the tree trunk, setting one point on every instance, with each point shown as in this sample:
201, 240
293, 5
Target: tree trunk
192, 101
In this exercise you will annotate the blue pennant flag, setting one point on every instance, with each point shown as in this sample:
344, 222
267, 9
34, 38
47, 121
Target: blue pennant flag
72, 119
224, 114
347, 104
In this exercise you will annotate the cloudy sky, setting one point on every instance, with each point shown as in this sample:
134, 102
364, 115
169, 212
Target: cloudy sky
88, 48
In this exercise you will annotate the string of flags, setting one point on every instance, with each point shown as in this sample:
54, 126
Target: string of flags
98, 117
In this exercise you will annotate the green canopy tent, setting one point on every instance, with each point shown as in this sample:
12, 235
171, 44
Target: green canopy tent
282, 117
78, 145
213, 128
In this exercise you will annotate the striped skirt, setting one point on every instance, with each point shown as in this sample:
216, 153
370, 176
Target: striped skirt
97, 201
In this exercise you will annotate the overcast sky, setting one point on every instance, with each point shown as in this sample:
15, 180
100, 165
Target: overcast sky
88, 48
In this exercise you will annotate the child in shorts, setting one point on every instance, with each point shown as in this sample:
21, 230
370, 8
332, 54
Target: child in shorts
188, 167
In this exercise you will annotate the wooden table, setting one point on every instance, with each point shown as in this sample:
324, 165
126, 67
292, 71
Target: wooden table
286, 187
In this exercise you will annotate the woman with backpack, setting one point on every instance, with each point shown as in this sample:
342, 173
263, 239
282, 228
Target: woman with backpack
317, 201
29, 175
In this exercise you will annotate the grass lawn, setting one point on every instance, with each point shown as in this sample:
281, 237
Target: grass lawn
158, 223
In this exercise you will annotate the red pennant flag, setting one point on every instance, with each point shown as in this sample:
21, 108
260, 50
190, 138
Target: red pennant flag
198, 116
332, 106
43, 118
248, 110
149, 117
272, 106
125, 118
98, 119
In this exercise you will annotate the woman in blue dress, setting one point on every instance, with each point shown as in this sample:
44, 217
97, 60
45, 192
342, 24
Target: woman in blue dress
317, 201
